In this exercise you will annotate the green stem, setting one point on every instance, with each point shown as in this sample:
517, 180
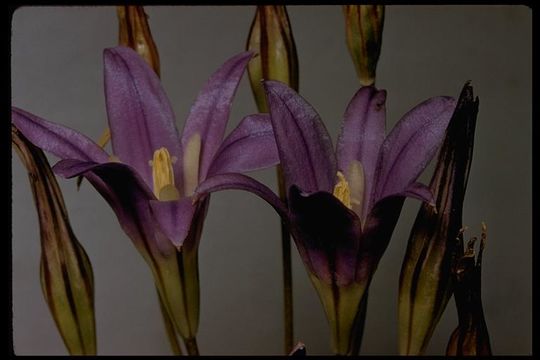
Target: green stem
287, 271
169, 328
358, 327
191, 346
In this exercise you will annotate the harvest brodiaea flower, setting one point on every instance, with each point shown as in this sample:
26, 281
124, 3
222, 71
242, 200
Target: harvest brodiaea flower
152, 173
343, 205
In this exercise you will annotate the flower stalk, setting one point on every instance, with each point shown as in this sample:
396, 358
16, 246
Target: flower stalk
271, 38
65, 271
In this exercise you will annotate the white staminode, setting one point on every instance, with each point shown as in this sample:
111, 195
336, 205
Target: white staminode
192, 154
356, 180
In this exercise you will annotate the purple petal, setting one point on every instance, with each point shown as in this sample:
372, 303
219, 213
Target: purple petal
242, 182
140, 115
58, 140
250, 146
327, 235
411, 145
129, 197
305, 148
209, 114
175, 218
362, 133
378, 229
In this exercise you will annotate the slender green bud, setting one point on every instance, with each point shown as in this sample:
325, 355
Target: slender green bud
271, 38
66, 274
426, 274
364, 27
471, 337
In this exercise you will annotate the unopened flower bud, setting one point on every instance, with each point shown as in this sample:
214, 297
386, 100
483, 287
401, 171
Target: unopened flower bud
271, 38
364, 27
66, 274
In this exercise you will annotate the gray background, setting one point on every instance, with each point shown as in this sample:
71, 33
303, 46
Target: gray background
427, 50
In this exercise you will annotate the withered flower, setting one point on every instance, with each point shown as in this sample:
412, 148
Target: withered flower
425, 282
471, 337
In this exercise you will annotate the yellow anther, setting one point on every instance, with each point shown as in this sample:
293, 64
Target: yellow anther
163, 176
342, 190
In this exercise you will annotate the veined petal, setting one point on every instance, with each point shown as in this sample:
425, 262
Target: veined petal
410, 146
129, 197
304, 146
327, 234
242, 182
362, 133
209, 114
140, 115
250, 146
174, 217
56, 139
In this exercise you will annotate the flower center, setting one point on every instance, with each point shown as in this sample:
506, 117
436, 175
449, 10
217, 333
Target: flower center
342, 190
163, 176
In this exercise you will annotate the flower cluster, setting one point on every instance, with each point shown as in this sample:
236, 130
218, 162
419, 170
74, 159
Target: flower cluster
340, 204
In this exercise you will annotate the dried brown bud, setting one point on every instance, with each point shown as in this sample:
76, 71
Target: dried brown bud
134, 32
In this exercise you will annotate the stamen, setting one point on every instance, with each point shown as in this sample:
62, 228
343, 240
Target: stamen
342, 191
163, 176
104, 138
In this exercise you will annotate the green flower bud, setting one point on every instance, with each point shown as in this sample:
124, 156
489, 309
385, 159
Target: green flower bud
270, 37
364, 27
66, 274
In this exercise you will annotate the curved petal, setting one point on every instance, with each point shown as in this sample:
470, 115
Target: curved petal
411, 145
242, 182
56, 139
129, 197
378, 229
327, 234
305, 148
175, 218
140, 115
209, 114
362, 133
250, 146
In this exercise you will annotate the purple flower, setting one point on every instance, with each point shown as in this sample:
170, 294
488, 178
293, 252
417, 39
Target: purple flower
150, 178
343, 205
